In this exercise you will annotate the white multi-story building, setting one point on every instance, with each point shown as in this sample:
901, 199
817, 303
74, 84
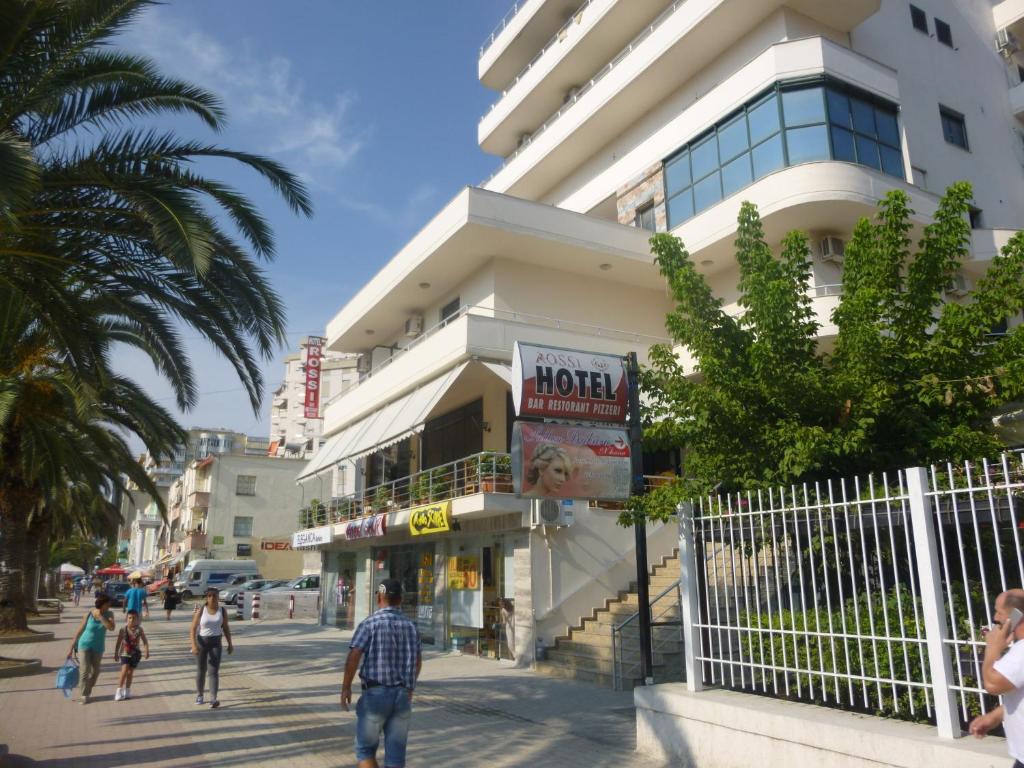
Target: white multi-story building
615, 117
292, 434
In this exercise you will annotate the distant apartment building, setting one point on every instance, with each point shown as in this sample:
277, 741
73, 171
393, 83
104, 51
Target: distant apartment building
615, 119
293, 433
237, 507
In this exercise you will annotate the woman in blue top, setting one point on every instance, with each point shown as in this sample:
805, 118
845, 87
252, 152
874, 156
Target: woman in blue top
90, 641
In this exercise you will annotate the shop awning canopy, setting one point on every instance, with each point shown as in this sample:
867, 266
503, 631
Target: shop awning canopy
396, 421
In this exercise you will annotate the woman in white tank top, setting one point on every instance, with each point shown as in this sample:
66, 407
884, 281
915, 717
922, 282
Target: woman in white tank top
209, 624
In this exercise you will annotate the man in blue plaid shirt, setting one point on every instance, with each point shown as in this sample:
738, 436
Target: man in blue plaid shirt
385, 649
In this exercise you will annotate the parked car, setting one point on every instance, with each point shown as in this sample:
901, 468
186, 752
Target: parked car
229, 595
309, 583
117, 591
199, 575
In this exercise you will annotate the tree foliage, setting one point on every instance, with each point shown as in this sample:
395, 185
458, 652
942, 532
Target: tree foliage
109, 235
907, 377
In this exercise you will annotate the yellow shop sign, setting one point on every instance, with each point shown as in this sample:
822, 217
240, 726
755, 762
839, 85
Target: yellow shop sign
430, 518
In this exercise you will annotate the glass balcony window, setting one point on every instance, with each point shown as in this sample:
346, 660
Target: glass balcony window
792, 123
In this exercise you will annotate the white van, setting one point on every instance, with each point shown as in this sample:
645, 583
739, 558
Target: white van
199, 575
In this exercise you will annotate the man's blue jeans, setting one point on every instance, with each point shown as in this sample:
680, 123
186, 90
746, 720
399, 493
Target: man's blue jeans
388, 710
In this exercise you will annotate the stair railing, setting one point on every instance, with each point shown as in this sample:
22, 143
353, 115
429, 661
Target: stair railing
659, 608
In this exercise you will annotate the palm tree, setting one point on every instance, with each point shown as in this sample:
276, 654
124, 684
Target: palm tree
108, 235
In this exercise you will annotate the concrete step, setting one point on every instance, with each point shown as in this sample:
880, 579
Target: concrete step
616, 613
629, 651
604, 663
601, 634
549, 669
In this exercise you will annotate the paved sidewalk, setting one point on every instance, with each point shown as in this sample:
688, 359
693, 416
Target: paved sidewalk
279, 694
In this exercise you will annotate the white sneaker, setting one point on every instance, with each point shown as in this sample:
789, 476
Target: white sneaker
119, 695
127, 693
199, 699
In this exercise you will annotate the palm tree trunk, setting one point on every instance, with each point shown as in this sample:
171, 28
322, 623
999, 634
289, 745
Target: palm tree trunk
15, 503
37, 534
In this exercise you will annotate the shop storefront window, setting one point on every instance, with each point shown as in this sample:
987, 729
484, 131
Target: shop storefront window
480, 607
413, 565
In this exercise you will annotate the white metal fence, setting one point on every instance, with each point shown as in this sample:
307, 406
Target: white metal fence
863, 594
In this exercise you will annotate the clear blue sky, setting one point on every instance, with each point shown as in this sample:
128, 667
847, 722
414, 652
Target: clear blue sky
374, 104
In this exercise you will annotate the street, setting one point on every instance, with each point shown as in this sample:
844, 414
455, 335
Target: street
279, 694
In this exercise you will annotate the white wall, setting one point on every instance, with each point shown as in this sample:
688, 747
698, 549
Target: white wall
576, 568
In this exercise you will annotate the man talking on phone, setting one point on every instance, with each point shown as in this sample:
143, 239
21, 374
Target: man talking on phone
1003, 674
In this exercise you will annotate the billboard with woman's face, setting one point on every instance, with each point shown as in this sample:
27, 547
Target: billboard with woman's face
559, 461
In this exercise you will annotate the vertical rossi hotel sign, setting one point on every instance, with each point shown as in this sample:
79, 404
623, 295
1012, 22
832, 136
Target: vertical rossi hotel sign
566, 384
314, 353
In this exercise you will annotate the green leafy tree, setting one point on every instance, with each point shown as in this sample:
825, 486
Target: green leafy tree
109, 235
910, 377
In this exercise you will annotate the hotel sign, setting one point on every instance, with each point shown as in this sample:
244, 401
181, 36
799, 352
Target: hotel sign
312, 537
314, 353
568, 384
368, 527
430, 518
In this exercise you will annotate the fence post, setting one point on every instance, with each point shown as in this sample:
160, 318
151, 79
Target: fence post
688, 598
936, 633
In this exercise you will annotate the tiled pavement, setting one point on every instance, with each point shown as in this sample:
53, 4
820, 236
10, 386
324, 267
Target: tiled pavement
279, 694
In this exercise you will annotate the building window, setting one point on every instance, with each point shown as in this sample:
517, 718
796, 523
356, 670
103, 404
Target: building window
243, 527
975, 216
245, 485
243, 550
790, 124
919, 19
645, 218
943, 32
954, 129
450, 310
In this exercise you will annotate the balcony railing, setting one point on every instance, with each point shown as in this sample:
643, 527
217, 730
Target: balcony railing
476, 310
586, 87
199, 499
555, 38
500, 27
485, 472
195, 540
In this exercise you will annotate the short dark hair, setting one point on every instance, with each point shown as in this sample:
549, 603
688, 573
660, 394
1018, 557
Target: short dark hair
102, 600
133, 612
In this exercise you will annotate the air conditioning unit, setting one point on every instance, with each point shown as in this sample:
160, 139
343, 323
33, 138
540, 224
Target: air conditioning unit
1006, 42
413, 326
364, 363
524, 139
571, 94
832, 249
958, 287
551, 513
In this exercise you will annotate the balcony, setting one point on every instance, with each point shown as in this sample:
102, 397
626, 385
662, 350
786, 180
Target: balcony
519, 34
485, 472
1017, 101
199, 499
475, 332
1009, 15
581, 46
195, 540
668, 53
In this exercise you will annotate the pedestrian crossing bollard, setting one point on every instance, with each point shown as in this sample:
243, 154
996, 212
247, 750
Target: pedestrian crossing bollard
255, 606
291, 606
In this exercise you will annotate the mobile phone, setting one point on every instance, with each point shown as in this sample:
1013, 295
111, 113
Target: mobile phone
1014, 620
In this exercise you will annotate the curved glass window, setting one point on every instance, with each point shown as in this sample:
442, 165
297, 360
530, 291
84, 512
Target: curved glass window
793, 123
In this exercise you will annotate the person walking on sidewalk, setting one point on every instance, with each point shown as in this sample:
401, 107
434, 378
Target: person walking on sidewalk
1002, 673
385, 650
209, 625
135, 599
89, 642
76, 591
170, 600
130, 642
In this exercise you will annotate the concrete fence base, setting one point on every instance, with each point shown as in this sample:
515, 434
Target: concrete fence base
725, 729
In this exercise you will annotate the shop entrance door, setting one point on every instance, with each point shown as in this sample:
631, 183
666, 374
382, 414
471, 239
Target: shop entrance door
412, 564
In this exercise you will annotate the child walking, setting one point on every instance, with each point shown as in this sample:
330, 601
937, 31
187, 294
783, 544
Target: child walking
130, 641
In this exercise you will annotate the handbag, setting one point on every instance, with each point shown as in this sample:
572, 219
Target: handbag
67, 677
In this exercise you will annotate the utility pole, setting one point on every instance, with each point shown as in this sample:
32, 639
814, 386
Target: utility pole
640, 525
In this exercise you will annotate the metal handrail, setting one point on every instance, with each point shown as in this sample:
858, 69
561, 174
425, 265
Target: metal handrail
643, 35
555, 38
617, 630
500, 27
484, 472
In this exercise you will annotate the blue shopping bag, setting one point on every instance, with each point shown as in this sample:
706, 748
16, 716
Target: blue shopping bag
67, 677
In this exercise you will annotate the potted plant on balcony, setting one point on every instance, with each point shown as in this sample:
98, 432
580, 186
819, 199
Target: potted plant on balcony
317, 513
440, 483
419, 488
495, 473
381, 499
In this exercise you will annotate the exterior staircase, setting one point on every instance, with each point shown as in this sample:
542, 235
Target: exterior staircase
586, 654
